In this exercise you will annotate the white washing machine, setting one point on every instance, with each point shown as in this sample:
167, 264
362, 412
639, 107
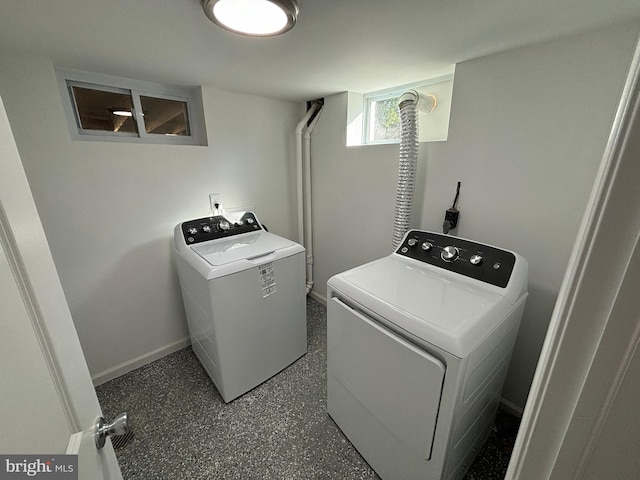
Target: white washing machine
244, 296
418, 347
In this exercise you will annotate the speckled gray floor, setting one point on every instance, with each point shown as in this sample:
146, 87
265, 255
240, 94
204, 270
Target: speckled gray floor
279, 430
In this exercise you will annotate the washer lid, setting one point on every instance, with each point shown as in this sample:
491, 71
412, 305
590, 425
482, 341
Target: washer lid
443, 309
240, 247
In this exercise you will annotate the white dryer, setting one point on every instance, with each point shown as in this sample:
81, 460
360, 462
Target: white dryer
244, 296
418, 347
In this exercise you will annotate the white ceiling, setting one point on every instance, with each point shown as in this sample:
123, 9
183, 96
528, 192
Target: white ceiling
337, 45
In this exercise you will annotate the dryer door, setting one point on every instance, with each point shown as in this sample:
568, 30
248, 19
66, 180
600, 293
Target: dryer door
379, 385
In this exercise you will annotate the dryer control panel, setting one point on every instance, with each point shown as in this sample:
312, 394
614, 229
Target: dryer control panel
476, 260
219, 226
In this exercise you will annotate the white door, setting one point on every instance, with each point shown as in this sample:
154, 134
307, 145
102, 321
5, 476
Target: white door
48, 405
379, 386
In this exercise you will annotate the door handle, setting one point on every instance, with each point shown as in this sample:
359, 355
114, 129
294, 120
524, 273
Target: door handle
119, 426
262, 258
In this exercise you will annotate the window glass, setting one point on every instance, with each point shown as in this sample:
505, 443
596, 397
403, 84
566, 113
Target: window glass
106, 111
165, 117
384, 120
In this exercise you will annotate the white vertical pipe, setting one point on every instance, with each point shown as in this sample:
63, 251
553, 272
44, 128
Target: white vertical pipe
299, 182
307, 199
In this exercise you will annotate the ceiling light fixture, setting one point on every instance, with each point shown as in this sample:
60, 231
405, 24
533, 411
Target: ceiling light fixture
256, 18
123, 113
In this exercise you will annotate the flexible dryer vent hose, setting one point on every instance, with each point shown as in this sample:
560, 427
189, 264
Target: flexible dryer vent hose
407, 165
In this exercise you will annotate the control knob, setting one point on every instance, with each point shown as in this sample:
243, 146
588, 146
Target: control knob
224, 225
449, 253
192, 230
250, 221
412, 242
427, 246
206, 229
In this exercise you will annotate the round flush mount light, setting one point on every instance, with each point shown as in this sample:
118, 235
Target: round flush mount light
257, 18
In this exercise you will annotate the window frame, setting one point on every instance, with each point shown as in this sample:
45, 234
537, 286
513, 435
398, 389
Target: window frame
359, 110
103, 88
192, 97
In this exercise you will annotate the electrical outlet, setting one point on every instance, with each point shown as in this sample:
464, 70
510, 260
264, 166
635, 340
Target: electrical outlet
214, 199
452, 216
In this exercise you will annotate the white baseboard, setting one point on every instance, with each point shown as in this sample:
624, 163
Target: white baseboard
316, 296
130, 365
510, 407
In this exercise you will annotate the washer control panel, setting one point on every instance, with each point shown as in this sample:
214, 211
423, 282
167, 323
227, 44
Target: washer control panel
481, 262
212, 228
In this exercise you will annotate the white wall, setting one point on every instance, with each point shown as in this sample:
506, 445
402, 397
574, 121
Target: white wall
528, 129
109, 209
353, 196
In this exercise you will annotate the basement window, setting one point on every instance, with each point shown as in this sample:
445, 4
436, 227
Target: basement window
106, 108
374, 118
